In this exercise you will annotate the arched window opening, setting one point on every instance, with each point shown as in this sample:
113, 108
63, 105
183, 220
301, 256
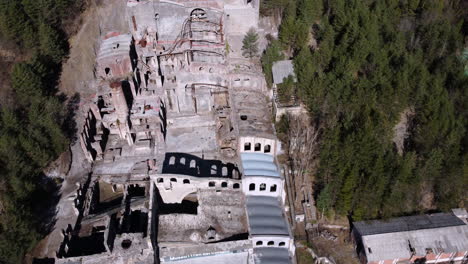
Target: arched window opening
198, 13
126, 244
182, 161
193, 164
273, 188
224, 184
267, 149
172, 160
173, 180
224, 171
214, 170
262, 187
282, 244
259, 243
243, 117
236, 186
211, 184
252, 187
107, 70
271, 243
258, 147
186, 181
247, 146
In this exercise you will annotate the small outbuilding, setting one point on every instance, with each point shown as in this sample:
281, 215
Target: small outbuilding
432, 238
282, 69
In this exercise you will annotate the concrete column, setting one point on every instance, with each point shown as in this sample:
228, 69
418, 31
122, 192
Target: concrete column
132, 87
121, 109
119, 101
95, 110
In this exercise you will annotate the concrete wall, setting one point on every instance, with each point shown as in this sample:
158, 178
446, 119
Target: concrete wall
141, 19
272, 241
174, 188
272, 186
247, 81
232, 252
257, 144
240, 18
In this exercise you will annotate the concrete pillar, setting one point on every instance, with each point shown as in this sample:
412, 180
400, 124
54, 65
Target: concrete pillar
132, 87
121, 109
97, 147
119, 101
85, 149
97, 114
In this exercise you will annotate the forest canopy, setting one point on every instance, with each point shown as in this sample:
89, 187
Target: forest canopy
371, 63
32, 128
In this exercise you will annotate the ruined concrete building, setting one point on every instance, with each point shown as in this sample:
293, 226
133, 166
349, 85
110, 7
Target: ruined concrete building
182, 144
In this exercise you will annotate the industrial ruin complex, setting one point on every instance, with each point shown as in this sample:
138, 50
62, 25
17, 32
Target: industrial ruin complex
182, 144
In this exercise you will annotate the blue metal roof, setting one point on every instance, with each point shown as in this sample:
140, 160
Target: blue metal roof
256, 156
259, 164
260, 172
256, 164
266, 216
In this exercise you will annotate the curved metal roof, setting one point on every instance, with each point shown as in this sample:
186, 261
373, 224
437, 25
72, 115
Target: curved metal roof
256, 156
259, 164
256, 164
261, 172
266, 216
115, 46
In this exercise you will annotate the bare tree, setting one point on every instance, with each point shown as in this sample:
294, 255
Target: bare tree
302, 149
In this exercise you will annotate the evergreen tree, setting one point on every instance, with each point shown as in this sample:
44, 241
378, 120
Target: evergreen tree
310, 11
51, 44
31, 134
373, 62
272, 54
250, 44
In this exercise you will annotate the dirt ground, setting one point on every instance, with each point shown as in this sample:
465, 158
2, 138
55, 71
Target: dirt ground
334, 244
303, 257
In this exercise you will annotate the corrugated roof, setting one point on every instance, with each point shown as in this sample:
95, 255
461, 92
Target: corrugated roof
256, 164
271, 256
260, 172
256, 156
266, 216
282, 69
389, 246
115, 46
407, 223
259, 164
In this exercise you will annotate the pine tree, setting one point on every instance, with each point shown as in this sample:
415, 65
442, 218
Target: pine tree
272, 53
250, 44
310, 10
51, 44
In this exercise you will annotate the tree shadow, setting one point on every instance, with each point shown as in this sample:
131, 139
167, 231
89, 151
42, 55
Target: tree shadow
43, 261
69, 125
46, 200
